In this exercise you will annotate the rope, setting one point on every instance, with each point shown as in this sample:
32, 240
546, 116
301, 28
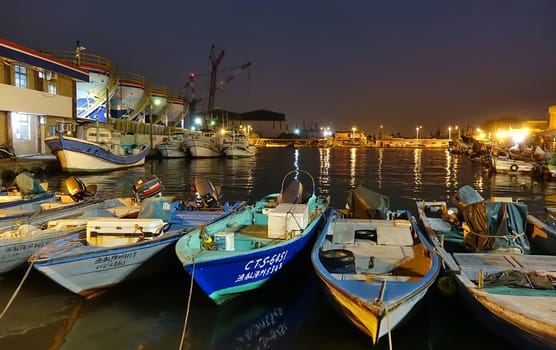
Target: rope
381, 303
16, 290
188, 304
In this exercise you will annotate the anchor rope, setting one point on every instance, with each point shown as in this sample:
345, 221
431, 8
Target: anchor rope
16, 290
184, 331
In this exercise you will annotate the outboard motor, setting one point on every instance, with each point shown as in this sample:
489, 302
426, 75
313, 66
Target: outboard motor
206, 193
77, 189
147, 187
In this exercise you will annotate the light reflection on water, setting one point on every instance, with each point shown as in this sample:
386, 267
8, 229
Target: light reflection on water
133, 316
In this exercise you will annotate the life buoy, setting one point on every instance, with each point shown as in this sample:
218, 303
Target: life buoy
514, 167
447, 285
337, 258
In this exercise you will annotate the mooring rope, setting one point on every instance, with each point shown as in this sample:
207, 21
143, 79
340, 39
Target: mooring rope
188, 304
16, 290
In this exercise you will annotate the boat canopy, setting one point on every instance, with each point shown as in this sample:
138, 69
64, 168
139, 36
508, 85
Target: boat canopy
492, 225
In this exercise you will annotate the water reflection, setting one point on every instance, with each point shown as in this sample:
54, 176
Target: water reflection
324, 174
278, 315
379, 167
417, 171
352, 165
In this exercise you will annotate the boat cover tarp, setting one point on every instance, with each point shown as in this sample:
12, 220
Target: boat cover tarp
493, 225
363, 203
28, 184
519, 279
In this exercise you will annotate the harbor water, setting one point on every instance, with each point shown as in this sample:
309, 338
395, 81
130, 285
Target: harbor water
167, 311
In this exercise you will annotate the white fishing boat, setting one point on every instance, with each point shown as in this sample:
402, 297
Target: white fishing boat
236, 145
112, 250
204, 144
511, 165
100, 150
172, 147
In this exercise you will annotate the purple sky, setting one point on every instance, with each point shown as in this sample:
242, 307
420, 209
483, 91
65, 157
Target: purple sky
397, 63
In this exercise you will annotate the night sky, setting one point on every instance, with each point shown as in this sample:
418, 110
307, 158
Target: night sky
342, 64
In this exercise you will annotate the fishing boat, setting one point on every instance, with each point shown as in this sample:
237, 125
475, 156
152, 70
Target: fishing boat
111, 250
236, 145
508, 164
204, 144
100, 150
488, 264
243, 251
172, 147
375, 264
541, 231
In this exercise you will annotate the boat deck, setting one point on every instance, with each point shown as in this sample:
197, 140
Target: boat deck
393, 255
472, 263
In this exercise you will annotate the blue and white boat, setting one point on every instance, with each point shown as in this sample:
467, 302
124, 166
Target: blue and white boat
243, 251
110, 250
99, 150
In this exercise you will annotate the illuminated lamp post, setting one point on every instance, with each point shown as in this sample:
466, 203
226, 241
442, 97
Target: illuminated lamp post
381, 132
459, 132
418, 128
450, 132
353, 133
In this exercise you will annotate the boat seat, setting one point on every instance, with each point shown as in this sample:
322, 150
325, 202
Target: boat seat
394, 235
344, 233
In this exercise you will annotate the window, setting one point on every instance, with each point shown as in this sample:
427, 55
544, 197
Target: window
52, 87
20, 76
21, 126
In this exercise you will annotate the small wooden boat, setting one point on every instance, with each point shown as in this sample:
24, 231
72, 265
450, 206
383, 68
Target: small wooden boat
375, 269
100, 151
542, 232
112, 250
488, 266
511, 165
243, 251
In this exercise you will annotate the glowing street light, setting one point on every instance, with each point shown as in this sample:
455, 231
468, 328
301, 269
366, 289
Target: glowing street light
450, 132
353, 132
459, 132
381, 132
417, 128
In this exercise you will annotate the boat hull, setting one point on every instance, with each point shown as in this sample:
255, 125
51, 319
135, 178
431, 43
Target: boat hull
377, 285
171, 149
91, 272
523, 318
512, 165
541, 235
87, 264
79, 156
223, 273
236, 151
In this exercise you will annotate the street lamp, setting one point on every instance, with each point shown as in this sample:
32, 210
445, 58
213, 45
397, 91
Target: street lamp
450, 132
353, 132
417, 128
381, 132
459, 132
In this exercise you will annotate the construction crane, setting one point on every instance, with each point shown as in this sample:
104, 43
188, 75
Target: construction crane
216, 59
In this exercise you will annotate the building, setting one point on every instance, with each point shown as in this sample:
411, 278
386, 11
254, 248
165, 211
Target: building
36, 91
